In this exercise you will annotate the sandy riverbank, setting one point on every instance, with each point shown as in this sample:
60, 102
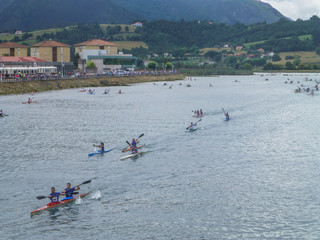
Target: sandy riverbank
40, 86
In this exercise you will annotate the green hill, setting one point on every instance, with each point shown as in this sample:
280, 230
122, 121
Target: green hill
28, 15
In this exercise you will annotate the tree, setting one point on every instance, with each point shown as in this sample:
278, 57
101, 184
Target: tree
76, 61
231, 61
91, 65
296, 60
276, 58
152, 65
290, 66
246, 66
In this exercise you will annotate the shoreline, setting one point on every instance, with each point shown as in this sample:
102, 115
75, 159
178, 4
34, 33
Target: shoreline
8, 88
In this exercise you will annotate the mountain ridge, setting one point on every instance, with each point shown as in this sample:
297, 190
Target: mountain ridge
34, 14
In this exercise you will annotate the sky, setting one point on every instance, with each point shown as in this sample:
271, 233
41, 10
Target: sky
294, 9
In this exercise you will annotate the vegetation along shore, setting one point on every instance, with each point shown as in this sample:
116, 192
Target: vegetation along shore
48, 85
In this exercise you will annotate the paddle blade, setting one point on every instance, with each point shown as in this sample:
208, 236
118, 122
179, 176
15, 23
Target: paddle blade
128, 143
90, 154
223, 110
41, 197
141, 135
89, 181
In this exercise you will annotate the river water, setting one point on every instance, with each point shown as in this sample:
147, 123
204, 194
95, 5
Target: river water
254, 177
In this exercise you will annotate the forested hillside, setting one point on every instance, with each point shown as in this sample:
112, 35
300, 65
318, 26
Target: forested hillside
28, 15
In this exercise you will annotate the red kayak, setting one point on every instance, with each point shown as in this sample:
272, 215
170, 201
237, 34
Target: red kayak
62, 202
130, 148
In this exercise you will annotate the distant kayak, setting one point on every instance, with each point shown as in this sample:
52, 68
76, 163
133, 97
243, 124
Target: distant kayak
227, 119
198, 116
29, 102
99, 152
130, 148
191, 130
133, 155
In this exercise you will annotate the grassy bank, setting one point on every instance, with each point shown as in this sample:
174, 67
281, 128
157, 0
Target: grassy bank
40, 86
213, 72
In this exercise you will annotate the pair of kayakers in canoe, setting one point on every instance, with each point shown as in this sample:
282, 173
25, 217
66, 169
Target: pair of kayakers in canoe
68, 192
198, 113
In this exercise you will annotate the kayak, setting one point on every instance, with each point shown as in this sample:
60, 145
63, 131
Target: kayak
99, 152
62, 202
29, 102
130, 148
133, 155
191, 130
227, 119
198, 116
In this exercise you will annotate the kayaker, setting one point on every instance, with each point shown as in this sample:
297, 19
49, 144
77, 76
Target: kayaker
192, 125
134, 142
227, 116
201, 113
1, 113
134, 149
29, 100
101, 146
69, 191
54, 196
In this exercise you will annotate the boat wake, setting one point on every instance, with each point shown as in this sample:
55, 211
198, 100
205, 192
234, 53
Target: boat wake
96, 195
79, 200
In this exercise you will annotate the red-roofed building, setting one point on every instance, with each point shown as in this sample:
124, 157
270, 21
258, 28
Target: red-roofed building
13, 49
138, 24
250, 56
51, 51
10, 59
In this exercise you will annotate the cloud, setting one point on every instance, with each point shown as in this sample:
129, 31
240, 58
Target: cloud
295, 9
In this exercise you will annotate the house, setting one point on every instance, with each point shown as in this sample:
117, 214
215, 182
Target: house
58, 54
261, 50
210, 22
250, 56
105, 55
13, 49
18, 32
137, 24
98, 46
167, 54
226, 46
271, 54
4, 34
155, 55
23, 66
51, 51
239, 48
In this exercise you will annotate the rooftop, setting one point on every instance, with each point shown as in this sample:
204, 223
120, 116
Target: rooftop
50, 44
95, 42
20, 59
12, 45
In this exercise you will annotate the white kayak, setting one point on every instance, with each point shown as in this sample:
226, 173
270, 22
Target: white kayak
132, 155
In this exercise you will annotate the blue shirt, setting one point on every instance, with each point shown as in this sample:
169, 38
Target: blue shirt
134, 143
54, 197
69, 192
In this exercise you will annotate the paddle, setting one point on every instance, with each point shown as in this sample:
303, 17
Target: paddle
223, 111
136, 139
86, 182
195, 123
42, 197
